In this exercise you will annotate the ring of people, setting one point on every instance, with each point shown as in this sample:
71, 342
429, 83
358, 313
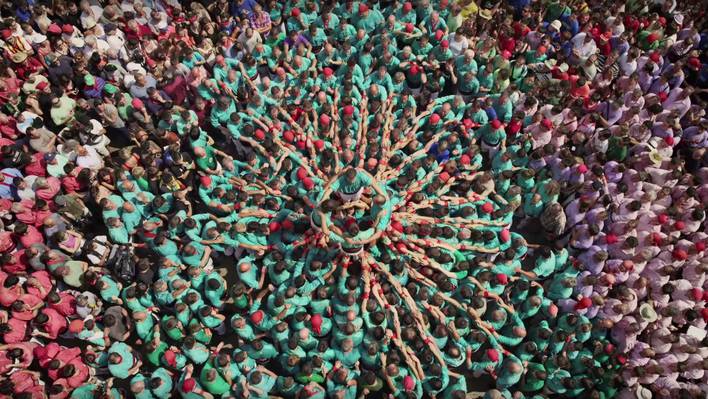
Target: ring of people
353, 199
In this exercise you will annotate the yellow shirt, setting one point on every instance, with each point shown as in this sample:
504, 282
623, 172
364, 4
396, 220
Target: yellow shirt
468, 10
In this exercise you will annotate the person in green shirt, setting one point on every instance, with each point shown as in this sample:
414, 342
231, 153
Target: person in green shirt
161, 383
121, 361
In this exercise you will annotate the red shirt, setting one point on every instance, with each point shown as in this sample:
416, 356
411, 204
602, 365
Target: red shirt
81, 373
47, 354
18, 333
32, 236
38, 167
66, 306
10, 295
17, 264
31, 301
45, 280
56, 323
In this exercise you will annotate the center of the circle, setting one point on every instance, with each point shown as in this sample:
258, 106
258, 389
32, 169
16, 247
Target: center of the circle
353, 210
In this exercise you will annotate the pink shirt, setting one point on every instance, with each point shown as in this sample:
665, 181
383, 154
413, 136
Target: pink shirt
56, 323
18, 333
33, 236
31, 301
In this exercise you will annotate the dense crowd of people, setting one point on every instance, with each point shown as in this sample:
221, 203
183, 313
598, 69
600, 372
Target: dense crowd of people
349, 199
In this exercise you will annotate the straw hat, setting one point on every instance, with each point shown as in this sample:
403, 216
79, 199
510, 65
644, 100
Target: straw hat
19, 57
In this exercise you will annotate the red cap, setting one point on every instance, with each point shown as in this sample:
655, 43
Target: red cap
328, 71
205, 180
611, 238
439, 34
137, 103
493, 355
287, 224
349, 110
76, 326
662, 21
295, 12
408, 383
188, 385
444, 44
257, 316
621, 359
42, 85
704, 314
467, 123
414, 69
700, 246
542, 49
67, 28
663, 218
396, 225
259, 134
679, 254
656, 239
308, 183
502, 279
669, 140
409, 27
465, 159
694, 62
54, 28
301, 173
401, 247
582, 168
496, 123
583, 303
301, 145
609, 348
697, 294
487, 207
547, 123
289, 136
274, 226
505, 235
506, 54
407, 6
679, 225
662, 96
652, 38
324, 119
363, 8
171, 358
316, 322
655, 56
444, 176
319, 144
434, 118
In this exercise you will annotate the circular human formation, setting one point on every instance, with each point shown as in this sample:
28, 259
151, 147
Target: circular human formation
350, 199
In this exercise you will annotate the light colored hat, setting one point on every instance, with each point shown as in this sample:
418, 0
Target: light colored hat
38, 39
647, 312
678, 18
77, 42
655, 157
556, 24
563, 67
96, 128
486, 14
19, 57
90, 22
643, 393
